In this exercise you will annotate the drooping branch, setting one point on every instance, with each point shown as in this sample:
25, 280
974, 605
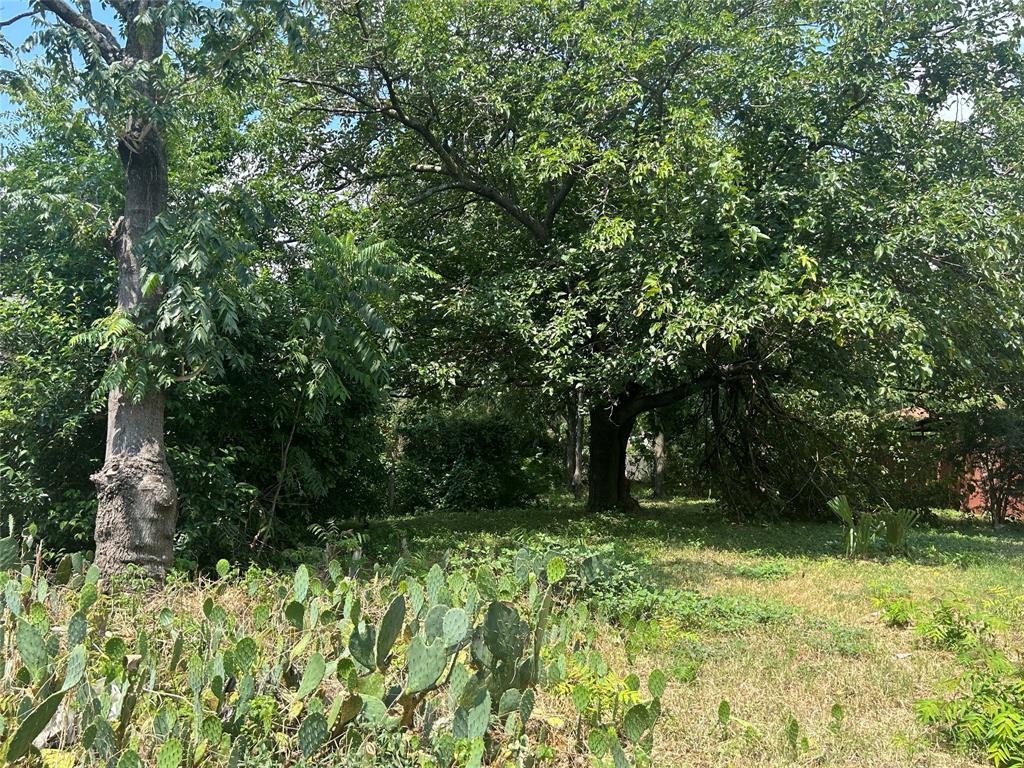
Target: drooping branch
633, 406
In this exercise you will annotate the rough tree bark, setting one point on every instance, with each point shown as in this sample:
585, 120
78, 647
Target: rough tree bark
137, 497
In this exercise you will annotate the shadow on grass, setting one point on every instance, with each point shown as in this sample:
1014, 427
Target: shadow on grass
945, 540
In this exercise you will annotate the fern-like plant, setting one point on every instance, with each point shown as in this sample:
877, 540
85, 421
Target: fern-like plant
860, 528
895, 526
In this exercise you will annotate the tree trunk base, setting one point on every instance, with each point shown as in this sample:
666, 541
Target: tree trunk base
608, 487
137, 514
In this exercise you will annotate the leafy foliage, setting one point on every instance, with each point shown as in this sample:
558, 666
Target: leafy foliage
983, 709
476, 458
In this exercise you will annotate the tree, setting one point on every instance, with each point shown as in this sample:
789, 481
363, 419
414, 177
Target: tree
663, 200
138, 501
135, 71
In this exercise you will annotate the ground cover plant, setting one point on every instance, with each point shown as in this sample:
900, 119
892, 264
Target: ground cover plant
336, 666
551, 639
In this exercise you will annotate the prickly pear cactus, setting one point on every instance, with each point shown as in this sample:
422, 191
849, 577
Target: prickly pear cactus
130, 759
78, 625
471, 721
509, 702
435, 583
32, 649
301, 583
433, 626
505, 634
312, 733
390, 629
312, 676
455, 626
426, 662
75, 668
32, 726
361, 644
169, 755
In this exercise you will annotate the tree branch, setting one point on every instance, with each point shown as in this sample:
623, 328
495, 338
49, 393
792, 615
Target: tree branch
641, 404
15, 19
100, 34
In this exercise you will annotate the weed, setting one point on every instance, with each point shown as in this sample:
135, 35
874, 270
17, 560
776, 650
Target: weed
843, 641
954, 626
767, 570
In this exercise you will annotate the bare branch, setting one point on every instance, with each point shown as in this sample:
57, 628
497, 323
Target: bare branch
16, 19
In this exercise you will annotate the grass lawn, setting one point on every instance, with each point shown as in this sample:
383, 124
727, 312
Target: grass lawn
820, 640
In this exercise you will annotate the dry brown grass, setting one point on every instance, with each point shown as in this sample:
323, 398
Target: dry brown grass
768, 673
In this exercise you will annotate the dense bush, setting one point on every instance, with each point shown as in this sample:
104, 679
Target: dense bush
461, 459
787, 454
250, 459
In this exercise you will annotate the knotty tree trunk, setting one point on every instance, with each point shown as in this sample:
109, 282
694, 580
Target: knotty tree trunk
138, 500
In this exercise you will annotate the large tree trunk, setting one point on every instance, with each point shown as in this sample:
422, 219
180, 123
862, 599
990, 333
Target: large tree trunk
608, 487
138, 501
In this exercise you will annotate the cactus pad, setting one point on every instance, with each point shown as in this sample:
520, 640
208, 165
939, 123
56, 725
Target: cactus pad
75, 668
169, 755
361, 644
312, 733
312, 676
32, 649
426, 663
32, 726
390, 629
455, 626
435, 583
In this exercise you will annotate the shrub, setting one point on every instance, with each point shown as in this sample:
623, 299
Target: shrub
471, 460
983, 709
